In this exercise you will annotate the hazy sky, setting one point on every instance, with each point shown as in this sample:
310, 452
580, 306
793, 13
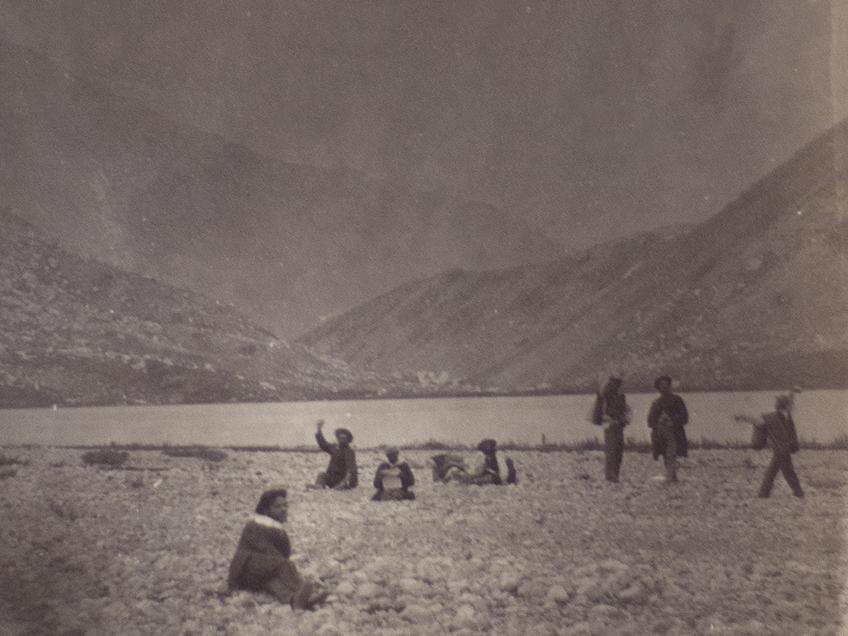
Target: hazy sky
589, 119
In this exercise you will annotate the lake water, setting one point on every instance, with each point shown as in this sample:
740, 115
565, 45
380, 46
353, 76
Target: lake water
820, 415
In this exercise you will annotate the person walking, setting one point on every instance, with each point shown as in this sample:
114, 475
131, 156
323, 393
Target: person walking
611, 409
777, 429
666, 419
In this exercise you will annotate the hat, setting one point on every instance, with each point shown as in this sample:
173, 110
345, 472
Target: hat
392, 450
339, 432
487, 446
613, 383
662, 378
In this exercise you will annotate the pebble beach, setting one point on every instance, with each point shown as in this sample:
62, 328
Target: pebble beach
144, 549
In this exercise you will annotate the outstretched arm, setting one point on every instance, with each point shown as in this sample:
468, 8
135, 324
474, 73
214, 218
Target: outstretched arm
756, 421
323, 444
407, 479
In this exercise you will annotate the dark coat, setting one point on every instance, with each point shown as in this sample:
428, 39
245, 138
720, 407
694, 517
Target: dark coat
778, 429
263, 553
674, 406
342, 463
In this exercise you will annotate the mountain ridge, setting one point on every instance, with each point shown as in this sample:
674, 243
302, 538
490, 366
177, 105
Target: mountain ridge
286, 242
646, 305
80, 332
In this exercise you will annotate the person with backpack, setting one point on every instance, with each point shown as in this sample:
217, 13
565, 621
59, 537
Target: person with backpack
777, 429
611, 410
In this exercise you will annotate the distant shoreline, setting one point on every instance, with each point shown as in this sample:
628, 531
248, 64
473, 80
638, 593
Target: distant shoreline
494, 393
588, 444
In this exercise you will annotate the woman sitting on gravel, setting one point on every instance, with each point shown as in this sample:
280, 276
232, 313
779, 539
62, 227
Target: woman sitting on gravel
261, 561
488, 472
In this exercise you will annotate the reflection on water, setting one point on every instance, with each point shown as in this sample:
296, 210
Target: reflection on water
820, 415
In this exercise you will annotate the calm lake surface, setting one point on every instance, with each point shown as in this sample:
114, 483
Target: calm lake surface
819, 415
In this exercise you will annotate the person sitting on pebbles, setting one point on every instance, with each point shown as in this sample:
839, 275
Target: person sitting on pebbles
393, 479
261, 561
488, 472
341, 471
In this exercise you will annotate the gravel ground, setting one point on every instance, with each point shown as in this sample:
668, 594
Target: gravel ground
91, 551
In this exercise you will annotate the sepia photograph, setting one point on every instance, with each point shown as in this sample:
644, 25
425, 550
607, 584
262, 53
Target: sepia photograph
423, 317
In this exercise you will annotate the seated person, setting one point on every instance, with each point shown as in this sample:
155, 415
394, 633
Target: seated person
261, 561
393, 479
341, 471
487, 472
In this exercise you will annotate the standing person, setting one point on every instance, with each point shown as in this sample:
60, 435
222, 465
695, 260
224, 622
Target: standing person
666, 419
393, 479
341, 471
611, 409
777, 429
262, 559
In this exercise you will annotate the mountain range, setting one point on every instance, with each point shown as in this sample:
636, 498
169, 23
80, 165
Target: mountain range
756, 297
79, 332
112, 179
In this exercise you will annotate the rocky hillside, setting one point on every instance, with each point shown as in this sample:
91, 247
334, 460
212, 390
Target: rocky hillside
109, 177
754, 298
79, 332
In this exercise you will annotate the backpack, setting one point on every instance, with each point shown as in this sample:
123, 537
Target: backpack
596, 413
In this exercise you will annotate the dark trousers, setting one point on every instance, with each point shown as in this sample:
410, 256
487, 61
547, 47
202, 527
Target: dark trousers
613, 450
781, 462
669, 451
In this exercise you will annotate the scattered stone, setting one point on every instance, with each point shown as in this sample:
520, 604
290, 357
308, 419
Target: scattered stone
558, 594
509, 581
345, 588
634, 593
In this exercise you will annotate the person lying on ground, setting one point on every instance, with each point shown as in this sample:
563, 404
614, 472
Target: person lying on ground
262, 559
487, 472
341, 472
777, 429
393, 479
446, 466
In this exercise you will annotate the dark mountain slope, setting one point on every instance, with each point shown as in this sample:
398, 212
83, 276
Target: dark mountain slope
76, 331
755, 297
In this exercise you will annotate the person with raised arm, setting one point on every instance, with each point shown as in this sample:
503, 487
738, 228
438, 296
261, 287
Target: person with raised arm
341, 472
